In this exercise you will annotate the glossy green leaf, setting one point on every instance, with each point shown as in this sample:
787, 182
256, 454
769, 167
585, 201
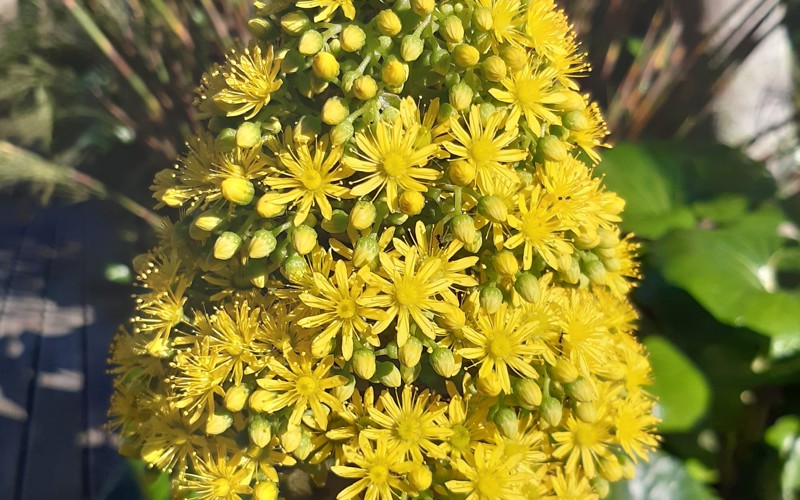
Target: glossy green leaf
662, 478
731, 272
682, 390
784, 436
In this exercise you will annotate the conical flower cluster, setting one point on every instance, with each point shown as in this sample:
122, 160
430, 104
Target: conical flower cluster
393, 264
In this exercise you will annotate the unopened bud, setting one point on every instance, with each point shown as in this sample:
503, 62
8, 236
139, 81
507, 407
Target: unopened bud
572, 101
489, 386
586, 412
463, 227
325, 66
505, 263
295, 22
466, 56
411, 47
452, 29
595, 271
580, 390
461, 96
610, 468
363, 362
388, 23
491, 299
410, 373
352, 38
475, 245
443, 362
220, 421
236, 397
527, 286
506, 421
528, 393
307, 129
226, 245
628, 467
310, 43
411, 202
454, 320
238, 190
394, 73
268, 209
291, 438
208, 221
261, 244
551, 411
295, 269
575, 120
334, 111
259, 430
494, 68
483, 19
423, 7
461, 173
514, 56
363, 214
342, 133
365, 87
365, 252
337, 223
344, 392
563, 371
261, 28
248, 135
420, 478
225, 140
265, 490
410, 352
261, 400
493, 208
388, 374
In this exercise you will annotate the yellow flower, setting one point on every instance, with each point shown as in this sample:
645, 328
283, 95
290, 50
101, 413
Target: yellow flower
250, 78
169, 439
591, 137
571, 486
583, 444
571, 191
354, 418
547, 27
507, 19
488, 475
501, 341
199, 373
219, 477
408, 293
376, 468
341, 301
466, 418
410, 427
480, 145
429, 132
634, 427
329, 8
303, 385
392, 161
540, 231
309, 179
528, 92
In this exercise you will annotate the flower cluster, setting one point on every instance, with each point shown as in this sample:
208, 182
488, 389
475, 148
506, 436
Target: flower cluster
393, 264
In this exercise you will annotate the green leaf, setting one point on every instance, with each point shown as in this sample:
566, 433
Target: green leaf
731, 272
682, 391
661, 478
784, 436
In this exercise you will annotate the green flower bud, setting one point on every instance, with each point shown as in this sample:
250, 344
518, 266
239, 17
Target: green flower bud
337, 223
226, 140
291, 438
236, 397
443, 362
493, 208
475, 245
572, 101
411, 47
571, 274
489, 386
307, 129
363, 214
586, 412
563, 371
461, 173
561, 133
260, 400
586, 237
594, 270
550, 148
608, 239
610, 469
411, 202
482, 19
466, 56
344, 392
261, 244
600, 486
219, 422
527, 286
515, 57
394, 73
420, 478
267, 208
410, 373
304, 239
505, 263
551, 411
364, 87
226, 245
388, 374
388, 23
248, 135
352, 38
441, 60
461, 96
452, 29
397, 219
295, 22
310, 43
295, 269
392, 350
261, 28
335, 111
259, 430
494, 68
410, 352
575, 120
341, 133
528, 393
238, 190
265, 490
491, 298
365, 252
506, 421
463, 227
363, 362
580, 390
325, 66
208, 221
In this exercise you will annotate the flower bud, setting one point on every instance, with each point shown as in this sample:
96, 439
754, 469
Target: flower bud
208, 221
466, 56
528, 393
334, 111
310, 43
363, 361
489, 386
494, 68
628, 467
197, 234
491, 298
238, 190
267, 209
586, 237
493, 208
295, 22
610, 468
411, 47
443, 362
365, 252
580, 390
325, 66
388, 23
482, 19
571, 274
342, 133
463, 227
352, 38
515, 57
261, 28
225, 140
236, 397
261, 244
260, 400
423, 8
265, 490
248, 135
452, 29
219, 422
505, 263
410, 373
563, 371
363, 215
364, 87
295, 269
388, 374
600, 486
304, 239
307, 128
410, 352
291, 438
586, 412
411, 202
595, 271
506, 421
475, 245
527, 286
575, 120
394, 73
454, 320
392, 350
550, 148
461, 96
337, 223
420, 478
572, 101
461, 173
551, 411
226, 245
344, 392
259, 430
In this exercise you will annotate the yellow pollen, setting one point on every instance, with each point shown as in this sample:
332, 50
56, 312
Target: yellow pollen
409, 429
483, 150
461, 437
533, 229
527, 92
499, 346
585, 435
306, 385
221, 487
311, 180
395, 164
407, 293
379, 474
346, 308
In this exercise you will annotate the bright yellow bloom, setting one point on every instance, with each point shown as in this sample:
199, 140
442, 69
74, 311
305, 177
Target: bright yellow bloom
199, 374
219, 477
529, 91
540, 231
250, 77
634, 427
583, 444
329, 8
392, 161
466, 418
569, 486
488, 475
547, 28
377, 469
507, 19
